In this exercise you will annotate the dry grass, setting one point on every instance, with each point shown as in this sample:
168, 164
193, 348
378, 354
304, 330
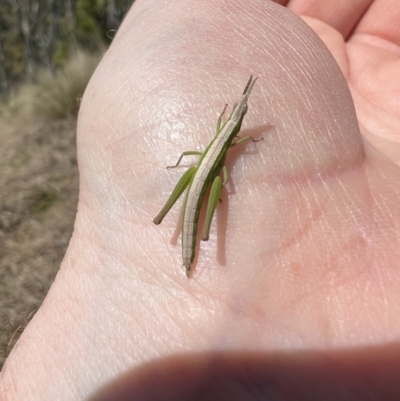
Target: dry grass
38, 190
52, 96
38, 199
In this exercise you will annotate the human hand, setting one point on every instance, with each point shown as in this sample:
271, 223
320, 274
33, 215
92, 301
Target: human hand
295, 295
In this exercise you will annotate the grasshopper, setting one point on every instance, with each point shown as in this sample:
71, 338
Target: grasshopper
206, 172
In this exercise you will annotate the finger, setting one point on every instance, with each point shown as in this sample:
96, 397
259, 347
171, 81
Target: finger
343, 375
333, 41
281, 2
342, 15
382, 20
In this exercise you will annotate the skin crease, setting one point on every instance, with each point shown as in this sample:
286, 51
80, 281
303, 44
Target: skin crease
302, 265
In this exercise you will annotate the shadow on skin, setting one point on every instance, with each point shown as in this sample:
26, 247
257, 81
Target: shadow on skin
364, 374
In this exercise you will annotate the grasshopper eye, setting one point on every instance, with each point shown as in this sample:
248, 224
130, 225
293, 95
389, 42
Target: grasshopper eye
245, 109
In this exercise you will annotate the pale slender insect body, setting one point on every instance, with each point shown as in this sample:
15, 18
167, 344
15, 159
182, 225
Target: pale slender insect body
206, 171
194, 200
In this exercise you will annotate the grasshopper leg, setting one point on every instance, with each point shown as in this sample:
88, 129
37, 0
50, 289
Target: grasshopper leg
176, 193
213, 200
211, 206
187, 153
219, 121
245, 139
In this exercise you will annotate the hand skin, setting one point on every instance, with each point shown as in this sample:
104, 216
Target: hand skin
296, 294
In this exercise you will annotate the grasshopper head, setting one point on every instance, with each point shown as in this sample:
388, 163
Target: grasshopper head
240, 107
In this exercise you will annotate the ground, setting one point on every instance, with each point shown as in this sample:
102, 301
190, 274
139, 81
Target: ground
38, 200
